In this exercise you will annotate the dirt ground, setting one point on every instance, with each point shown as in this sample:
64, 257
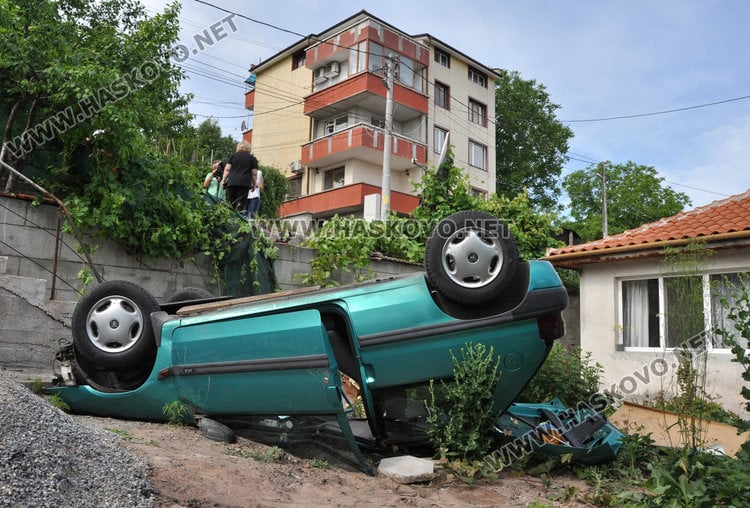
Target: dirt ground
190, 470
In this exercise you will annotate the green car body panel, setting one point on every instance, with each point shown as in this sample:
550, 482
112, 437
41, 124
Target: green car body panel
279, 355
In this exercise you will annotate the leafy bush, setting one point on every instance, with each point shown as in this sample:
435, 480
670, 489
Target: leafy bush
567, 375
466, 431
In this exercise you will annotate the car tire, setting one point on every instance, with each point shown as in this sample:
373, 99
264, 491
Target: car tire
471, 258
189, 294
112, 328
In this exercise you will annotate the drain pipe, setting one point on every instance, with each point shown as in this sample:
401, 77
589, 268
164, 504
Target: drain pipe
59, 203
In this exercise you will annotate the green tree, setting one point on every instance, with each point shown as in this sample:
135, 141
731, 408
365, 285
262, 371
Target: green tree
274, 192
81, 80
636, 195
530, 141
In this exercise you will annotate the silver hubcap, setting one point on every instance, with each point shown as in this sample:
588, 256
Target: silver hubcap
114, 324
470, 259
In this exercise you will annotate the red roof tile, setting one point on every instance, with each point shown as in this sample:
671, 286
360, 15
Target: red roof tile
720, 217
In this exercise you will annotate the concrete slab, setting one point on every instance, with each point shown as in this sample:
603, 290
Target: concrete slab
407, 469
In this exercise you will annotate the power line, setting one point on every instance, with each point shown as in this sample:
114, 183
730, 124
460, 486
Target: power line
640, 115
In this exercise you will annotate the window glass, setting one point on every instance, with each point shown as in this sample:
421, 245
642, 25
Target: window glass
477, 113
640, 326
439, 138
478, 77
333, 178
375, 57
406, 71
477, 155
724, 287
442, 95
442, 57
684, 309
336, 124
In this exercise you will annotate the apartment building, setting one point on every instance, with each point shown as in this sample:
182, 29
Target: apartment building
319, 110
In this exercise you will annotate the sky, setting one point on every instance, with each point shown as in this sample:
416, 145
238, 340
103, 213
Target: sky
677, 70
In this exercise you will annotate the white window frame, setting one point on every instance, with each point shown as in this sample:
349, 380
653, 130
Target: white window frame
438, 138
334, 183
473, 146
336, 124
708, 318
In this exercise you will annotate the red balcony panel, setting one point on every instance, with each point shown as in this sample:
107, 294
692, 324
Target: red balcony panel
362, 136
348, 197
364, 83
248, 136
250, 99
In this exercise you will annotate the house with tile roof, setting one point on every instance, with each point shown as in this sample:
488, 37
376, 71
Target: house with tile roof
641, 303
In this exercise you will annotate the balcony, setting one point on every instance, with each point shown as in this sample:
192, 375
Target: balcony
346, 199
363, 142
250, 99
366, 91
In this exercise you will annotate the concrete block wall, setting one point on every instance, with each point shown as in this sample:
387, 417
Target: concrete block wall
27, 239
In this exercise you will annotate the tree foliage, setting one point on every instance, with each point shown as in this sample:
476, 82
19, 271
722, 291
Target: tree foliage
274, 192
71, 70
530, 141
636, 195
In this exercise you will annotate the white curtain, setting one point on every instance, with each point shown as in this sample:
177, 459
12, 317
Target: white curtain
635, 313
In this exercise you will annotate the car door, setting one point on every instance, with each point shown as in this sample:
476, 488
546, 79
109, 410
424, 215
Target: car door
267, 364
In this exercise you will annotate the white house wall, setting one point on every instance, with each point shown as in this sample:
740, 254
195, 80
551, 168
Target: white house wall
638, 374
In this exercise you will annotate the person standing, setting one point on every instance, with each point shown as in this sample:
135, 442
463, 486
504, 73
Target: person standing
212, 182
253, 197
238, 177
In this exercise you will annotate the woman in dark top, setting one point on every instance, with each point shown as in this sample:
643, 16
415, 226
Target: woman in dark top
238, 177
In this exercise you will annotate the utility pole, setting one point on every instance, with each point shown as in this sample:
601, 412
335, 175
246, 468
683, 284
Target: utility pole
385, 192
603, 175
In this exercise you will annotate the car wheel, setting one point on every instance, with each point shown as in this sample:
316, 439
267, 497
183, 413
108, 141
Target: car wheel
471, 257
112, 326
188, 294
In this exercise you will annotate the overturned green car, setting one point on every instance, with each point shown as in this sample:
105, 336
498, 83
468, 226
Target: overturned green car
287, 353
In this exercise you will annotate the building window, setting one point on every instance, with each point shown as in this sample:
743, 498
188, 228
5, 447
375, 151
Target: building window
406, 71
375, 58
442, 58
439, 136
337, 124
478, 77
298, 60
357, 58
479, 193
294, 187
674, 312
442, 95
477, 155
376, 121
334, 178
477, 113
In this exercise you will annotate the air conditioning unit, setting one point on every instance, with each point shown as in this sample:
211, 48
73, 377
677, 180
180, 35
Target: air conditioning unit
296, 167
319, 75
332, 69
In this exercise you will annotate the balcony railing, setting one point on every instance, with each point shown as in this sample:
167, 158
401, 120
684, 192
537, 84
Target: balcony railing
346, 199
365, 142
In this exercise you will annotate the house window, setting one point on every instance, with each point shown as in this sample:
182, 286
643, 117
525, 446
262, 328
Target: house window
477, 113
337, 124
294, 187
442, 95
406, 71
334, 178
357, 58
377, 121
724, 287
442, 58
439, 136
375, 58
478, 77
298, 59
674, 312
477, 155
